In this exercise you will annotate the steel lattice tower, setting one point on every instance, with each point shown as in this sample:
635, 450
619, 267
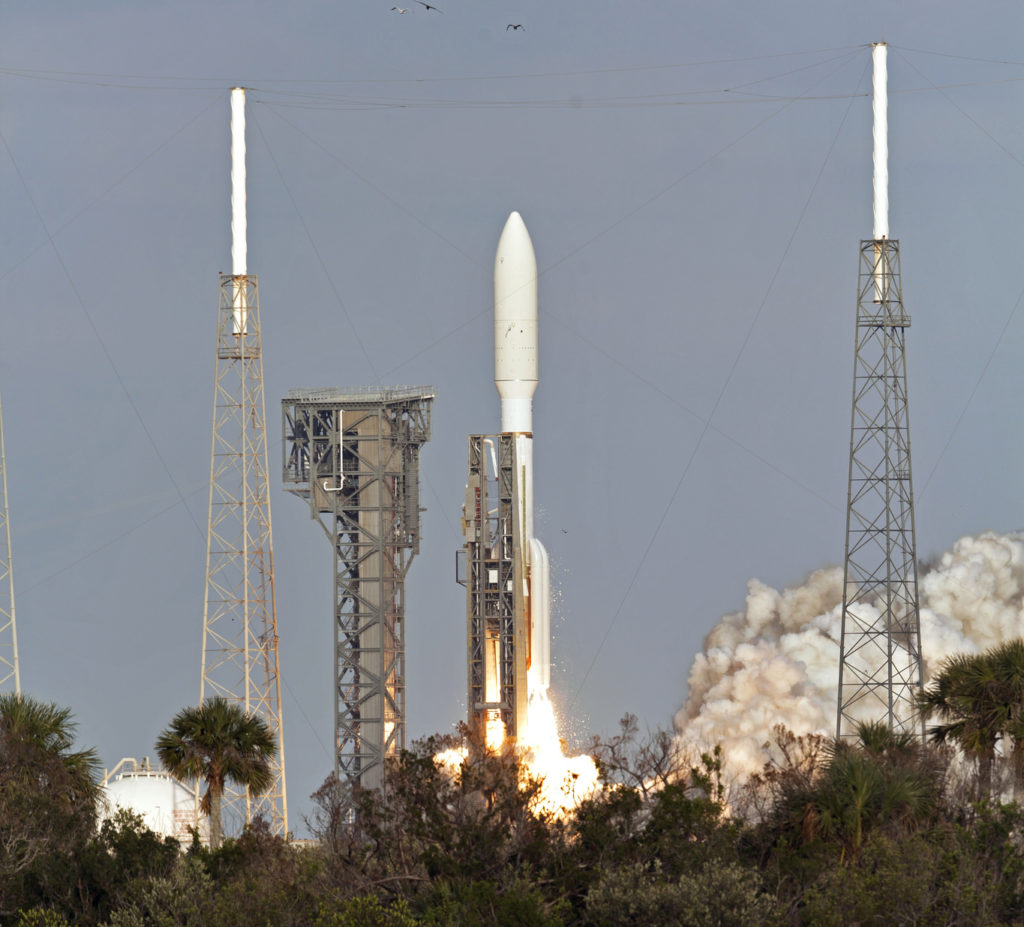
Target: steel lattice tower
354, 456
240, 640
880, 666
10, 677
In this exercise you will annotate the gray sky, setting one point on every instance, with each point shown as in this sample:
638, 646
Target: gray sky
696, 179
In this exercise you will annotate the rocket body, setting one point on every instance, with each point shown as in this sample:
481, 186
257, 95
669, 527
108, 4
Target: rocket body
515, 376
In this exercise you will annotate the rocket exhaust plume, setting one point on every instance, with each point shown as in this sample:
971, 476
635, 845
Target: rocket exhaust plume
238, 216
774, 662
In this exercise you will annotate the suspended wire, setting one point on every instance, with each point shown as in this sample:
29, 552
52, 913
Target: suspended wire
695, 415
629, 214
267, 91
100, 78
51, 235
377, 189
921, 51
1020, 297
319, 257
99, 338
963, 113
974, 390
710, 419
334, 289
108, 544
310, 100
685, 176
85, 80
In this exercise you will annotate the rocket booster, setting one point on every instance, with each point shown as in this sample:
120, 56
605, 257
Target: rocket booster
515, 376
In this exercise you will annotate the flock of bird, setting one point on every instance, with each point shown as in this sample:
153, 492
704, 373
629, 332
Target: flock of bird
430, 6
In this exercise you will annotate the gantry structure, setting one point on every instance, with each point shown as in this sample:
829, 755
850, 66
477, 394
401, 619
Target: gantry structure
10, 674
240, 639
491, 569
354, 457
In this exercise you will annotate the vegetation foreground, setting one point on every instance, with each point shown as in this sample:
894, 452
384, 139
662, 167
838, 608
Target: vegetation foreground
881, 830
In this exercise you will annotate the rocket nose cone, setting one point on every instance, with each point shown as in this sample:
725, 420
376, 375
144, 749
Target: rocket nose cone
514, 220
514, 236
515, 268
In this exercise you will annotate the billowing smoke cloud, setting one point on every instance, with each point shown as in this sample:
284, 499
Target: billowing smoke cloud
777, 661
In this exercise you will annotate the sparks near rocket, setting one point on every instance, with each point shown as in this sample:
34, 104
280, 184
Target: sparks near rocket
506, 567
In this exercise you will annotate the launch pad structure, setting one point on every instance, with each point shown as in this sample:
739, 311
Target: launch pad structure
490, 566
354, 457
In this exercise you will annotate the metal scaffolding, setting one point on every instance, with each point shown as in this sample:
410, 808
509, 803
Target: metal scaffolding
491, 570
880, 651
240, 658
354, 457
10, 676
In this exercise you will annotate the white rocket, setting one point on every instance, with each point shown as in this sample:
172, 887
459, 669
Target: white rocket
515, 375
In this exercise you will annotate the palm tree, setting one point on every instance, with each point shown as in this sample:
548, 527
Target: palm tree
1007, 662
884, 779
968, 698
48, 790
218, 742
48, 730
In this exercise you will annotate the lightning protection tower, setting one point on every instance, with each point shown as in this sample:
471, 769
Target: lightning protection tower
10, 678
240, 659
880, 649
354, 456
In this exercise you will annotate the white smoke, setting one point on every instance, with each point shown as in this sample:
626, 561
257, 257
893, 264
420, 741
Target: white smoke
777, 661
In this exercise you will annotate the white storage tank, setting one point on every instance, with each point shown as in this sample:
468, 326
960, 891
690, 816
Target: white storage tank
165, 805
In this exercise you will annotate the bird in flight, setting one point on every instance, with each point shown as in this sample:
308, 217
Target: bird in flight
399, 9
429, 6
514, 26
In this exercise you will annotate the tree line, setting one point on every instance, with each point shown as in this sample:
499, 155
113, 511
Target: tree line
884, 828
